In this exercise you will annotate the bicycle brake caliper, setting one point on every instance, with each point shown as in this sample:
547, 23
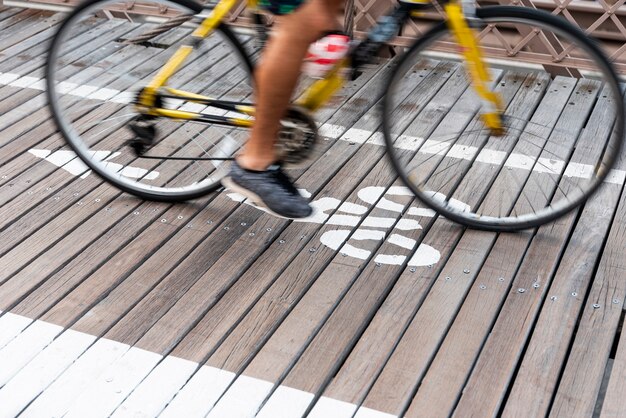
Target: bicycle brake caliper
478, 71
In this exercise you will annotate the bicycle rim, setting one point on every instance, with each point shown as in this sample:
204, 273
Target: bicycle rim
564, 124
91, 96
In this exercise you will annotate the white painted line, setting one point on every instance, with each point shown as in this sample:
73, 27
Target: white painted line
25, 347
110, 388
328, 407
331, 131
41, 371
153, 394
364, 412
287, 402
11, 326
243, 398
57, 398
80, 378
199, 395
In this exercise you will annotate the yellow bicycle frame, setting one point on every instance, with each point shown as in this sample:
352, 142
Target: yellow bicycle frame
476, 67
322, 90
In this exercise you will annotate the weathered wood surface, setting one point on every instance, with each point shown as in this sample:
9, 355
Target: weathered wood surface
115, 306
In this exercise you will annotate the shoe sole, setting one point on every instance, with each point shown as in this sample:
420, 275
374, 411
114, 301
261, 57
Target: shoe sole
253, 197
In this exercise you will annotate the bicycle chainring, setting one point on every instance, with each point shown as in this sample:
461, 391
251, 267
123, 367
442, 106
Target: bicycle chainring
297, 137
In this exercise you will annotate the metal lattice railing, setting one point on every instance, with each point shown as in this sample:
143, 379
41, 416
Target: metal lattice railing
603, 19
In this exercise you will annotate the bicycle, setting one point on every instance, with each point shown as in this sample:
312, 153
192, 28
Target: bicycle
169, 144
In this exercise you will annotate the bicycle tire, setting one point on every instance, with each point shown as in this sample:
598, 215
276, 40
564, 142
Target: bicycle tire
140, 183
463, 214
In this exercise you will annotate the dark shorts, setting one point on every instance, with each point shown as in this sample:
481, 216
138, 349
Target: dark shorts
280, 7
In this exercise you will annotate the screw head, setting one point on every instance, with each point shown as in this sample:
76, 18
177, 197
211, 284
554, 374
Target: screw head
378, 264
616, 301
243, 224
163, 220
536, 285
482, 286
500, 279
574, 294
269, 229
251, 234
466, 271
595, 306
282, 241
226, 228
312, 250
97, 200
552, 298
135, 213
412, 269
448, 278
179, 217
521, 290
209, 222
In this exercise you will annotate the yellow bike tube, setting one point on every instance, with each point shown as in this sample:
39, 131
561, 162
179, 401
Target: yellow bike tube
322, 90
475, 65
176, 60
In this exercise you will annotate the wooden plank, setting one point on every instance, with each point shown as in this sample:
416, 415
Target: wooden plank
387, 331
343, 144
34, 377
338, 333
438, 310
167, 250
54, 184
97, 197
503, 347
551, 337
464, 273
614, 405
581, 378
37, 22
204, 283
18, 21
335, 280
270, 261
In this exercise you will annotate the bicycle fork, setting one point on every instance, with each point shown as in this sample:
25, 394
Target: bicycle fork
459, 14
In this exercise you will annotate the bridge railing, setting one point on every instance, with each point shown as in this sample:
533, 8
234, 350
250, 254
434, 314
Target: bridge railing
603, 19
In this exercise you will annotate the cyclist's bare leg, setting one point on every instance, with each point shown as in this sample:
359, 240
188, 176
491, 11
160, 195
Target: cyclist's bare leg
277, 75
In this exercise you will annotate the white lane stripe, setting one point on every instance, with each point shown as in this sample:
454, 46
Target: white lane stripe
41, 371
327, 407
287, 402
57, 398
364, 412
331, 131
199, 395
25, 347
155, 391
242, 399
110, 388
81, 378
11, 326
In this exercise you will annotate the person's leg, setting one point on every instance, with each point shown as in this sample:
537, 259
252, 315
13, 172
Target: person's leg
254, 174
278, 72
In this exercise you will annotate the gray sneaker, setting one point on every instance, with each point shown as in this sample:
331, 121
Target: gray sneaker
271, 189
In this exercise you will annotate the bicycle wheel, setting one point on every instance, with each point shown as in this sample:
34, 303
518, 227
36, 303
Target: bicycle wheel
564, 122
91, 96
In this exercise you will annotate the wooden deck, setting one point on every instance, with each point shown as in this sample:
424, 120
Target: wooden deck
115, 306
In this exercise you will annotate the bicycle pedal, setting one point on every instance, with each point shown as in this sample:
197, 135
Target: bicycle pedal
144, 137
